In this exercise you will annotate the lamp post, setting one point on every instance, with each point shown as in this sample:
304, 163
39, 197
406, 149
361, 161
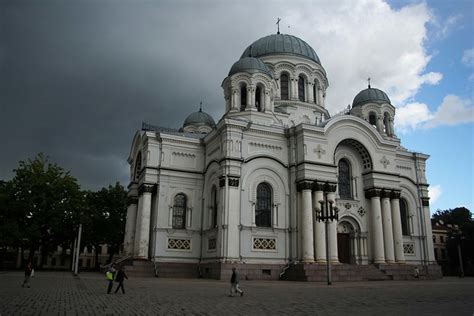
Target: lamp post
327, 214
457, 236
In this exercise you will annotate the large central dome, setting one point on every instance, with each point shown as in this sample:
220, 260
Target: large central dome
281, 44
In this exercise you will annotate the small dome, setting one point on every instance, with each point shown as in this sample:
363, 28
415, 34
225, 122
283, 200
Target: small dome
281, 44
198, 119
250, 65
370, 95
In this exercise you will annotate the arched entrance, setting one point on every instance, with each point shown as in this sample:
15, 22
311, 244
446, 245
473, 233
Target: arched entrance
348, 241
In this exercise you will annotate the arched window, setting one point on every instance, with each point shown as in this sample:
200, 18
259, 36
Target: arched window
258, 99
373, 119
263, 208
404, 217
214, 206
315, 92
138, 166
301, 84
179, 211
284, 87
344, 179
243, 97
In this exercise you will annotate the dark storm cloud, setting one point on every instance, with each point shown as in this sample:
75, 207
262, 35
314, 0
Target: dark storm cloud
78, 78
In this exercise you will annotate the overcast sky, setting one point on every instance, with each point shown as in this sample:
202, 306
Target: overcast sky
77, 78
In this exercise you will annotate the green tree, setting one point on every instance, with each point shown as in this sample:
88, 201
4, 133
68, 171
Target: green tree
104, 222
461, 234
46, 201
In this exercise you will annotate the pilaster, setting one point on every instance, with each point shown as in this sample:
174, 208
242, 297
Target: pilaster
397, 227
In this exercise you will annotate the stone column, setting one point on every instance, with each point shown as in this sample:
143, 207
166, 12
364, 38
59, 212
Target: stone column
268, 107
306, 222
387, 227
130, 224
143, 220
249, 99
294, 89
320, 97
310, 91
397, 227
428, 230
235, 105
333, 256
376, 233
379, 123
319, 229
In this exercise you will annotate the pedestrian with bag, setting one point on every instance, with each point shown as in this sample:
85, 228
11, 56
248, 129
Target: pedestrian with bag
109, 275
121, 275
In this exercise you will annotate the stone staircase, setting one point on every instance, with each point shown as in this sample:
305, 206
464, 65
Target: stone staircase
406, 272
339, 272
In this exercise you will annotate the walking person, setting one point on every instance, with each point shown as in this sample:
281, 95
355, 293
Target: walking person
109, 275
416, 273
234, 281
28, 272
121, 275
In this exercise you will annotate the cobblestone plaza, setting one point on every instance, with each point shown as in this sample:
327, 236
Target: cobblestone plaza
59, 293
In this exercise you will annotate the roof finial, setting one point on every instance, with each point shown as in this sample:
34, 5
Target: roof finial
200, 107
278, 23
368, 79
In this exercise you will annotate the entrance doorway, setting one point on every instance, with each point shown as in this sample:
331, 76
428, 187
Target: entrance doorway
344, 248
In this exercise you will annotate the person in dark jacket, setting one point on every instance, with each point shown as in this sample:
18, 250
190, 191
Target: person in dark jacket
28, 271
234, 283
121, 275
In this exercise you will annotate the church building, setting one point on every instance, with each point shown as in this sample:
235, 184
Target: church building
247, 191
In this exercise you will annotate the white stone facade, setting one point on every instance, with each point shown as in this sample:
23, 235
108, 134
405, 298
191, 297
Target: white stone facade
197, 197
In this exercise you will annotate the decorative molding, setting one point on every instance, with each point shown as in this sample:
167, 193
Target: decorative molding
304, 185
409, 249
395, 194
385, 194
266, 146
184, 154
211, 244
385, 162
403, 167
361, 211
373, 192
319, 150
132, 200
179, 244
146, 188
233, 181
259, 243
222, 181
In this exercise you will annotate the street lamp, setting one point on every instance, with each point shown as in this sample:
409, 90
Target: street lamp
327, 214
458, 237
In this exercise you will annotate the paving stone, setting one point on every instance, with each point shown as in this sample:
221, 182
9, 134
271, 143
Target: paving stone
59, 293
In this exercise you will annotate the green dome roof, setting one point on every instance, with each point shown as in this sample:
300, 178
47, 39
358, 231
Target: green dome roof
250, 65
199, 118
281, 44
370, 95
